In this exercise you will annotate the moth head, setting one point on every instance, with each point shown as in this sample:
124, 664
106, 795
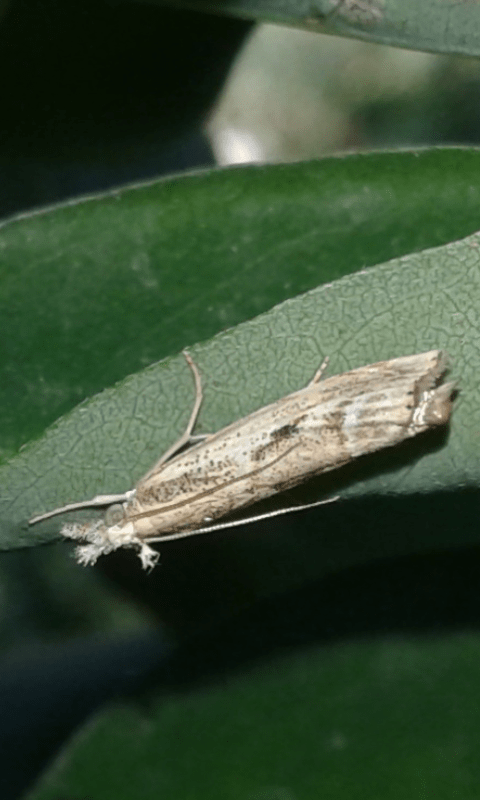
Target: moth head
114, 515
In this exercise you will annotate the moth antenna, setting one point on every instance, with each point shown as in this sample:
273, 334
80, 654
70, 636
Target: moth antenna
235, 523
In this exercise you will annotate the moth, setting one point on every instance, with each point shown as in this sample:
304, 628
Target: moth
311, 431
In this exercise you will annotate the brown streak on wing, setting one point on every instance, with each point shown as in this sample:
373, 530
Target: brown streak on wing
154, 511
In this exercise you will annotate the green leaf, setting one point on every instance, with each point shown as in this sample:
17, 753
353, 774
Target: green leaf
96, 289
417, 303
383, 720
426, 25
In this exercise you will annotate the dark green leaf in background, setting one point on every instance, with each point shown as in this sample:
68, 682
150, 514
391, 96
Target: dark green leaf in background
384, 720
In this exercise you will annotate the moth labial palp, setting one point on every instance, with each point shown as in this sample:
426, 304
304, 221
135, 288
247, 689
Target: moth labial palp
309, 432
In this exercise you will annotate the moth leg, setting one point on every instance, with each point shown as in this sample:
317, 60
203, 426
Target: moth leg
320, 371
199, 437
187, 434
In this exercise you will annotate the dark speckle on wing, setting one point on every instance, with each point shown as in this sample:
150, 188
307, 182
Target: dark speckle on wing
277, 436
284, 432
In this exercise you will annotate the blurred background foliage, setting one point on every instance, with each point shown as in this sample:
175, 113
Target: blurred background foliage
295, 95
97, 94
